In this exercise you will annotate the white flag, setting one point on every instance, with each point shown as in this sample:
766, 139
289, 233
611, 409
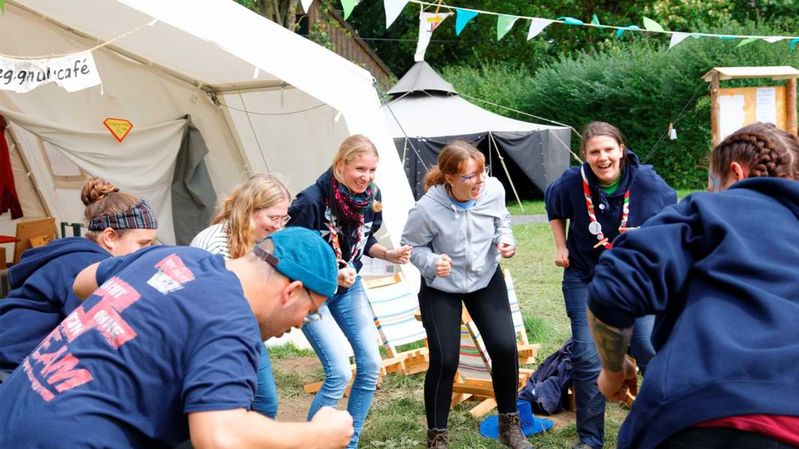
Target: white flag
72, 72
677, 37
428, 22
537, 26
393, 9
306, 5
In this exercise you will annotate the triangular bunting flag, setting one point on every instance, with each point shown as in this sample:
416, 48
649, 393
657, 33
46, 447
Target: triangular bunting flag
504, 24
462, 17
793, 43
428, 22
747, 41
348, 6
594, 19
393, 9
537, 26
773, 39
621, 31
651, 25
306, 5
677, 37
571, 21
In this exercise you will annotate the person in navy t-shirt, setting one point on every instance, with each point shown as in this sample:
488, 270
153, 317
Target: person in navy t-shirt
167, 348
611, 193
720, 272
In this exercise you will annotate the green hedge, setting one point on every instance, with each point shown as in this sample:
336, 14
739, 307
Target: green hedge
638, 85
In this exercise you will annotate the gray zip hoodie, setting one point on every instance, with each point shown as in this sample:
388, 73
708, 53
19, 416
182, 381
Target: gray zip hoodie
469, 237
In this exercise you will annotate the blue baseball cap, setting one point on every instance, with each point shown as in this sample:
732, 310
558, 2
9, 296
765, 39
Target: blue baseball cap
301, 255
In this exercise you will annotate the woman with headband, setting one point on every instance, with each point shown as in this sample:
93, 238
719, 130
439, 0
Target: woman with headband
41, 283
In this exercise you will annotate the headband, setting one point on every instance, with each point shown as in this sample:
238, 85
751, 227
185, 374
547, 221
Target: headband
140, 216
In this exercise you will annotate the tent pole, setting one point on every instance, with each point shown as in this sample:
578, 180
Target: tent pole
505, 167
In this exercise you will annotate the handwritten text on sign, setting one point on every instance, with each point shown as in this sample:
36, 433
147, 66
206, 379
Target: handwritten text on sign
72, 72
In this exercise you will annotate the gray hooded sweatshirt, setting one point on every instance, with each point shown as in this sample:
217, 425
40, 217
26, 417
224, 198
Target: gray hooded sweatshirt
469, 237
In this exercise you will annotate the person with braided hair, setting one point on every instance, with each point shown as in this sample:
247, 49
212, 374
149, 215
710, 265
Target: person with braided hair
343, 205
719, 271
41, 283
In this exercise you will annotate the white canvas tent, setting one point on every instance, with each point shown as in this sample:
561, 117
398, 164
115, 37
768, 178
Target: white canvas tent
426, 113
263, 98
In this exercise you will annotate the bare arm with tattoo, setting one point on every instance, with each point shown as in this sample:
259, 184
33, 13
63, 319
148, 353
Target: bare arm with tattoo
618, 374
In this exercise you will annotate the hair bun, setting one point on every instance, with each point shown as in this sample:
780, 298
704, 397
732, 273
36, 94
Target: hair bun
95, 189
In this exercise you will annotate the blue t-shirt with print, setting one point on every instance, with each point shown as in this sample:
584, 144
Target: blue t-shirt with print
168, 333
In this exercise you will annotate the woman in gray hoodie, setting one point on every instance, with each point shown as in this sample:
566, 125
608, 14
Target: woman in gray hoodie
458, 231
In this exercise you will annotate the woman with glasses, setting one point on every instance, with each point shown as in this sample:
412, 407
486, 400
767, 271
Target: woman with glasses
458, 231
343, 205
609, 194
255, 209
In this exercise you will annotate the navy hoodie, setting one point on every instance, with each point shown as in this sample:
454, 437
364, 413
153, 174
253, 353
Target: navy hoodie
565, 199
41, 294
309, 211
721, 272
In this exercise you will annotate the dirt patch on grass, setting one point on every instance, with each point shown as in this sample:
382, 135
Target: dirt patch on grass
291, 374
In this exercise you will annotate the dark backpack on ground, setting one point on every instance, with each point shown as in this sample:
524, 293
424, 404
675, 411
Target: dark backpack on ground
547, 387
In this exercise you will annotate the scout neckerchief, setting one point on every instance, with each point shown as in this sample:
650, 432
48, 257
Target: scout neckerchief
594, 227
352, 208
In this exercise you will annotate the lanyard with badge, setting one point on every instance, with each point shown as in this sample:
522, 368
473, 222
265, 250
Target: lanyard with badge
594, 227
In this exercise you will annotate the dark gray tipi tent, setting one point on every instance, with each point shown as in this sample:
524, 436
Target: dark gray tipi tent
426, 113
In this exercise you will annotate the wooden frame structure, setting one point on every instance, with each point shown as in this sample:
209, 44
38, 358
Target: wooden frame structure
718, 74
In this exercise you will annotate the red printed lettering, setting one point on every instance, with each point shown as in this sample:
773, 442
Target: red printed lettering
63, 375
35, 384
173, 267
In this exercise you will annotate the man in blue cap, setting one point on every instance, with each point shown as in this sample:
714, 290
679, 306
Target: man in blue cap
173, 332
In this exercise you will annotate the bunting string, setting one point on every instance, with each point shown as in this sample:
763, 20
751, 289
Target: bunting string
537, 24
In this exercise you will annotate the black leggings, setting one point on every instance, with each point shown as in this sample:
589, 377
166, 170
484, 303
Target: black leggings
441, 315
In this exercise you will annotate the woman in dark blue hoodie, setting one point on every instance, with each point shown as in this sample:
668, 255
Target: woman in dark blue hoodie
41, 283
607, 195
720, 271
343, 205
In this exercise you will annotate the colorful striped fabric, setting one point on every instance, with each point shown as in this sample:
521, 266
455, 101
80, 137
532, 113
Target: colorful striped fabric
393, 308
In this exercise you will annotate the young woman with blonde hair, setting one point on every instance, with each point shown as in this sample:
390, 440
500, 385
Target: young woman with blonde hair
41, 283
255, 209
343, 205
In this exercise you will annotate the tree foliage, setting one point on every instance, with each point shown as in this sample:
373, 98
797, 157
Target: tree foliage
640, 86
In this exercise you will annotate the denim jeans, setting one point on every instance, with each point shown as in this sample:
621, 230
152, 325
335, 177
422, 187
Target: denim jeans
585, 360
351, 312
265, 401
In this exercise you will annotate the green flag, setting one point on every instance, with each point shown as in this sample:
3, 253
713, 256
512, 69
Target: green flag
594, 19
348, 6
651, 25
504, 24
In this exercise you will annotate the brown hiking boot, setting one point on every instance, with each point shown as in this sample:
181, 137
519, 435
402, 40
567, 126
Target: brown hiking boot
510, 432
437, 438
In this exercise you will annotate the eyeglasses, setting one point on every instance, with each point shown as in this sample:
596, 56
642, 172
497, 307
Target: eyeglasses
279, 220
270, 258
312, 316
477, 175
